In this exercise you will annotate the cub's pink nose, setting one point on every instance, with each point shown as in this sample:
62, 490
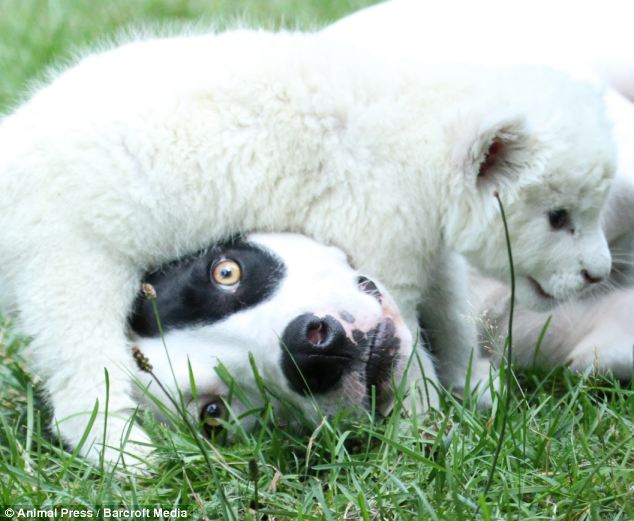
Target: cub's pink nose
589, 278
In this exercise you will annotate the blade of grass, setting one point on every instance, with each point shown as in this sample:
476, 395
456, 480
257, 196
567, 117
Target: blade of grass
508, 351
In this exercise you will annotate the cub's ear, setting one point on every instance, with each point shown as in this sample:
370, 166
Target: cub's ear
494, 150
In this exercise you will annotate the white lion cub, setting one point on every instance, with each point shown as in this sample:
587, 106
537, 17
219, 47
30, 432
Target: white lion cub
158, 148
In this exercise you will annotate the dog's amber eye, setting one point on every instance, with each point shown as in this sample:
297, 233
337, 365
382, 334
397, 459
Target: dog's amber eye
210, 417
226, 272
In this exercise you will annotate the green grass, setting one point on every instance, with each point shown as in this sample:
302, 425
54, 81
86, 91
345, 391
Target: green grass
568, 451
567, 454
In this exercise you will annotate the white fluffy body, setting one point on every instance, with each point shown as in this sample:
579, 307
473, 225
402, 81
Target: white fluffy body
494, 32
591, 332
158, 148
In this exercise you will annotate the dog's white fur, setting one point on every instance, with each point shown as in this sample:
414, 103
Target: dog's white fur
595, 331
158, 148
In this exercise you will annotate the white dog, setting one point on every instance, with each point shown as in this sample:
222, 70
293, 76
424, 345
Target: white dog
322, 336
595, 331
158, 148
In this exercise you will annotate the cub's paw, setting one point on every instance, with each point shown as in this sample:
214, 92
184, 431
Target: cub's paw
615, 356
128, 449
420, 396
124, 446
483, 381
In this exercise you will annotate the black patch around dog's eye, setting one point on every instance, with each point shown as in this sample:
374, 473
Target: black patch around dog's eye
186, 296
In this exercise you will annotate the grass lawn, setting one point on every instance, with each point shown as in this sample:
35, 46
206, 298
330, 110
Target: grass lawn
567, 452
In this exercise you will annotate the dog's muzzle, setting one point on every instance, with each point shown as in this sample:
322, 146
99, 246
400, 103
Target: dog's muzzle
317, 354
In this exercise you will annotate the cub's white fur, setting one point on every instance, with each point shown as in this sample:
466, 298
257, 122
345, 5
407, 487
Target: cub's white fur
592, 333
158, 148
595, 331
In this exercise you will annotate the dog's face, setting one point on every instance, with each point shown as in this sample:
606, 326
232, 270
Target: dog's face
321, 335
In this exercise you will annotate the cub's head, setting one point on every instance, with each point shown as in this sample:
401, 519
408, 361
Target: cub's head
543, 144
319, 335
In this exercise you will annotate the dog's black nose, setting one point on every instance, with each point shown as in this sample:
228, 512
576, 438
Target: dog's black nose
315, 353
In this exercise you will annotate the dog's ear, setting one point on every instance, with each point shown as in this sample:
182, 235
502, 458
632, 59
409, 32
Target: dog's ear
494, 150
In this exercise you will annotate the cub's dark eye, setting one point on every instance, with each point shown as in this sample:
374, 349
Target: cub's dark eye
226, 272
210, 416
559, 219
